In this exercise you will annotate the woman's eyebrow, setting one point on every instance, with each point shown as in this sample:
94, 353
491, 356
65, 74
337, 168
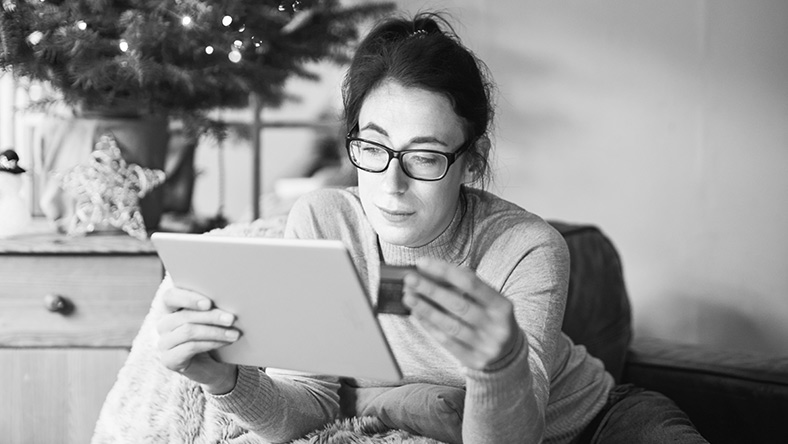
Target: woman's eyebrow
416, 140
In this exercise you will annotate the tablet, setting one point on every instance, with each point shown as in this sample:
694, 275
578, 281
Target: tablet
300, 304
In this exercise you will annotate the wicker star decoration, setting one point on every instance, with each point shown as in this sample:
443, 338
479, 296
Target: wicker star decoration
107, 191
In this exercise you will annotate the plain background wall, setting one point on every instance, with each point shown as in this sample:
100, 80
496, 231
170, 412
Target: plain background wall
664, 122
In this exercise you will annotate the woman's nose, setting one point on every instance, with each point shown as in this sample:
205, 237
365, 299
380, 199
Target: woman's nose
394, 179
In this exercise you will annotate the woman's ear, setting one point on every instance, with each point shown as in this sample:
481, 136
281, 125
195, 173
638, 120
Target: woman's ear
474, 165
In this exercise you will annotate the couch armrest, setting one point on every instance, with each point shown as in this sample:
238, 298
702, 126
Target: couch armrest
731, 397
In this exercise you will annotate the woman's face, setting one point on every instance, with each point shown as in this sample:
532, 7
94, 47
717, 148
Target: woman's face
405, 211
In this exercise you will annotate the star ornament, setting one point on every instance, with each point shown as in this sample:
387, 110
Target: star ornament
107, 191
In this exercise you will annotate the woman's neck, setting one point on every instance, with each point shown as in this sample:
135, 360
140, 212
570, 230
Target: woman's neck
451, 245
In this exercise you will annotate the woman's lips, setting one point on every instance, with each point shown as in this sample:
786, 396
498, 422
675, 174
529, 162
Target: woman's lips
395, 215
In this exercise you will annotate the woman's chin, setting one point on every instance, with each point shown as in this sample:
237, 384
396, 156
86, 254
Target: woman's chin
398, 236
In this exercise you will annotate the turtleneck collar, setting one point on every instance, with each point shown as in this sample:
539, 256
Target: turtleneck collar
451, 245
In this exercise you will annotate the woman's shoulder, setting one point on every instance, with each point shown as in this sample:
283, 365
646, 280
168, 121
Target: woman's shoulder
323, 212
329, 197
504, 218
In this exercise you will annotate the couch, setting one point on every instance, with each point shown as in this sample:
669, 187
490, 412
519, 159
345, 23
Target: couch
730, 397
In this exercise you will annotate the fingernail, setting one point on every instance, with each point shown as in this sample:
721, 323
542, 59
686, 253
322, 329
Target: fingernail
204, 304
231, 334
411, 279
226, 319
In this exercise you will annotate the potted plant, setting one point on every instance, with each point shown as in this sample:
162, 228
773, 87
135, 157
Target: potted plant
146, 62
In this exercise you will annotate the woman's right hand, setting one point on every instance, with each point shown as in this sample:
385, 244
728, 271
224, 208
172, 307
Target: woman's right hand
191, 328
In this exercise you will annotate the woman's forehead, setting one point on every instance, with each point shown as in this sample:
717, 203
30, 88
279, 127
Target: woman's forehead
398, 111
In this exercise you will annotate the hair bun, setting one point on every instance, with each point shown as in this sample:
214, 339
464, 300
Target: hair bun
424, 24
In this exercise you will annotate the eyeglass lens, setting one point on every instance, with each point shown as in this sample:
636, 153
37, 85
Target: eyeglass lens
417, 164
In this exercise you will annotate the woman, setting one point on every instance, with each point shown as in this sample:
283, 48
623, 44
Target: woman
488, 296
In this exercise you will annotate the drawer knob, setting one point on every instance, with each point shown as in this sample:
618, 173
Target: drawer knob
58, 304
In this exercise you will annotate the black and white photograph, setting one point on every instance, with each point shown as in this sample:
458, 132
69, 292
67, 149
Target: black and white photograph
393, 221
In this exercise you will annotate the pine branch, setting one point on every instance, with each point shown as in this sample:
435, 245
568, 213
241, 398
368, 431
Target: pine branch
176, 56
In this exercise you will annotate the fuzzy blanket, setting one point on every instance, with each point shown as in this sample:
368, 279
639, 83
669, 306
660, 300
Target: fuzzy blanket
151, 404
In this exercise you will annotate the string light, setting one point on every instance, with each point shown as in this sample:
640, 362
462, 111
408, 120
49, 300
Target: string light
35, 37
238, 43
242, 29
81, 25
123, 45
209, 49
227, 20
186, 20
234, 56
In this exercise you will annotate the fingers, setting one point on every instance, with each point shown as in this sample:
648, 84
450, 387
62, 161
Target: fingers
186, 335
178, 298
463, 279
181, 357
461, 341
468, 317
445, 299
444, 323
212, 317
198, 333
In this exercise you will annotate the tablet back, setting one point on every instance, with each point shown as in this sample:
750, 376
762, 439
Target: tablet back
300, 304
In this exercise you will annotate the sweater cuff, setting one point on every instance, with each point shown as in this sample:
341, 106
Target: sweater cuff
509, 377
507, 359
250, 388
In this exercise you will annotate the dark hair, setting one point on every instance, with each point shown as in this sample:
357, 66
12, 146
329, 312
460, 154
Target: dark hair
424, 52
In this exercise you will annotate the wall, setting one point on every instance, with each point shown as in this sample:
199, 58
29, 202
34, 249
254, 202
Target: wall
6, 111
664, 122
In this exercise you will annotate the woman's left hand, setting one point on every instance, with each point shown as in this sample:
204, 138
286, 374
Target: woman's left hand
469, 318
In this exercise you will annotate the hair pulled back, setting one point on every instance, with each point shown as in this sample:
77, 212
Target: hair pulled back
424, 52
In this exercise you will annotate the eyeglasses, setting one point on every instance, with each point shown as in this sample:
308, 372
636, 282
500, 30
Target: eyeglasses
427, 165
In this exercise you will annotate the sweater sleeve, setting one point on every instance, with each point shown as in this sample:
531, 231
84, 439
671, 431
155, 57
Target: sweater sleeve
280, 406
507, 404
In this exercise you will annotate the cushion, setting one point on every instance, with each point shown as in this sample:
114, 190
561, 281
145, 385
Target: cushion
429, 410
598, 314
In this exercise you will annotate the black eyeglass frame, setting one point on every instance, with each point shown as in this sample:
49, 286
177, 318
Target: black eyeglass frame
393, 154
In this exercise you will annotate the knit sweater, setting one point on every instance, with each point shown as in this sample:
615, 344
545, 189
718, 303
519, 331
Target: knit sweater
547, 389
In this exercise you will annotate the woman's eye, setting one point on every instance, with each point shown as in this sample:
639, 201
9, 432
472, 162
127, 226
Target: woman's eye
424, 159
372, 150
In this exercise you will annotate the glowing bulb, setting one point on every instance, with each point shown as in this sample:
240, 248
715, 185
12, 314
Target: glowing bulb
186, 20
123, 45
242, 29
234, 56
35, 37
209, 49
238, 43
227, 20
81, 25
36, 92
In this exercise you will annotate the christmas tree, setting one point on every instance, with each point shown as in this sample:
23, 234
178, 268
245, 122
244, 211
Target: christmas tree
174, 57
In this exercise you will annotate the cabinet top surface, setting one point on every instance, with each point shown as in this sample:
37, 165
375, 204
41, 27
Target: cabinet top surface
42, 238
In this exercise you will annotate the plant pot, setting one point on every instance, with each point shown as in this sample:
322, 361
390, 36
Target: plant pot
67, 142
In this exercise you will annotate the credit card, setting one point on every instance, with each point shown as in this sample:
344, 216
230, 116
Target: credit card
390, 289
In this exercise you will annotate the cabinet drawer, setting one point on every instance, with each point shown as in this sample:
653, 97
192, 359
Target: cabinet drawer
106, 298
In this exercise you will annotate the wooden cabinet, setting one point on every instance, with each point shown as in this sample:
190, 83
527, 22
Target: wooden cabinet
69, 310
